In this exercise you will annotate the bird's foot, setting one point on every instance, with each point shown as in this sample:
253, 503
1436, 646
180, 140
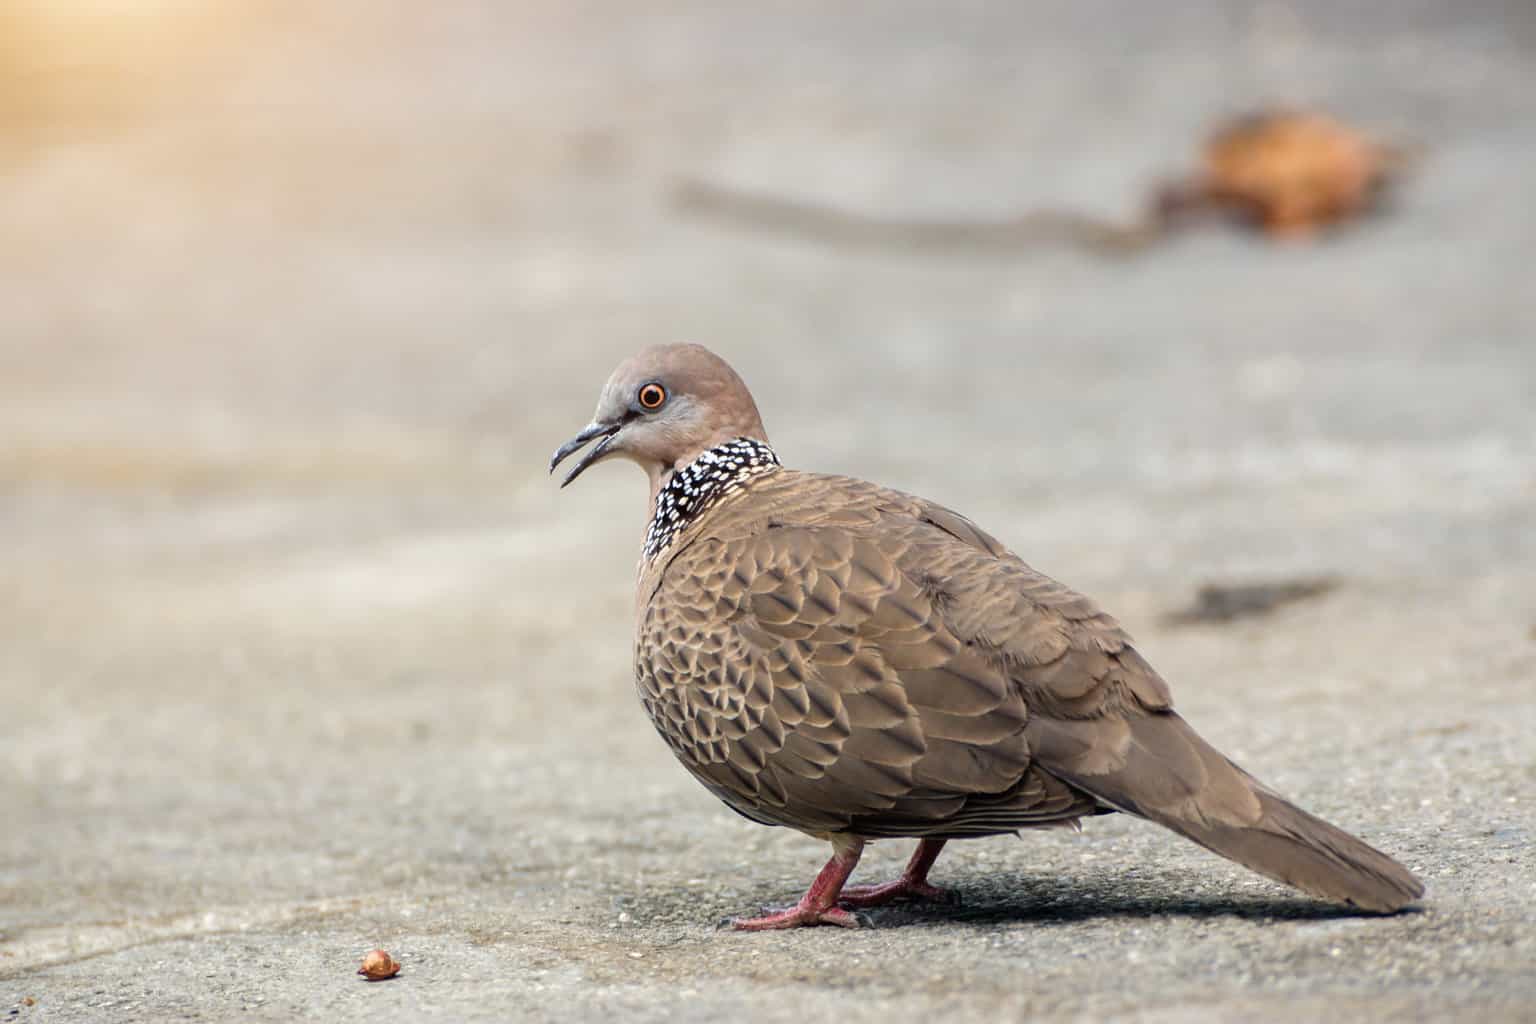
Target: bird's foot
904, 888
801, 915
819, 904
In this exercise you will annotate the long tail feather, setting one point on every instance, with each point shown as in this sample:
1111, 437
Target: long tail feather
1158, 768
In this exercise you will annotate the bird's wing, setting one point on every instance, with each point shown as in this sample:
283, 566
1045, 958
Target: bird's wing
811, 677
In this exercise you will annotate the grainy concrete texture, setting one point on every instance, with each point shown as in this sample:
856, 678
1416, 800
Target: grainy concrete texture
301, 653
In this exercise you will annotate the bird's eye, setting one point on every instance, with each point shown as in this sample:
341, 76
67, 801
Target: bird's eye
652, 396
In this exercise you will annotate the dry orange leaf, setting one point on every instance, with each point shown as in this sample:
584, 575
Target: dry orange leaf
1295, 171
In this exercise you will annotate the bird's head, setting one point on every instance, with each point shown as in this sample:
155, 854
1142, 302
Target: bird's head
661, 409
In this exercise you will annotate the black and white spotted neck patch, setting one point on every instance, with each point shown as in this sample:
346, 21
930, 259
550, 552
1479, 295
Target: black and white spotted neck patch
716, 473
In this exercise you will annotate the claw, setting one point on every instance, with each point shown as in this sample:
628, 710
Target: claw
800, 916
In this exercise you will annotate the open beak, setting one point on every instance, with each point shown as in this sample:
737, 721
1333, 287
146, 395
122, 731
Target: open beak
602, 430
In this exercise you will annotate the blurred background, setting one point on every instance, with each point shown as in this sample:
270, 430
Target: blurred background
296, 299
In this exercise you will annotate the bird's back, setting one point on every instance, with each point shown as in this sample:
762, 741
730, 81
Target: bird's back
832, 655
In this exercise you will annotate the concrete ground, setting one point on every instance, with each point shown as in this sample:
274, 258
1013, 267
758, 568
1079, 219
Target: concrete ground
301, 653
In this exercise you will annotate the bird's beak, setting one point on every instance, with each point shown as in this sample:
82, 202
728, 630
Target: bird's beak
602, 430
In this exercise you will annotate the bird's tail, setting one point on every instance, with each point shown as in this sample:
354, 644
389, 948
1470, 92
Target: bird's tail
1155, 766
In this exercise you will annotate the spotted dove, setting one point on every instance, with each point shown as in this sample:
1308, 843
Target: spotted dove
857, 663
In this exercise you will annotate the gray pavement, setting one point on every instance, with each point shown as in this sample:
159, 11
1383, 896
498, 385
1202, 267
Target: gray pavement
302, 654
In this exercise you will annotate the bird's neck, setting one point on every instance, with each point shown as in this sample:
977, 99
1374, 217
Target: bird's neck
691, 489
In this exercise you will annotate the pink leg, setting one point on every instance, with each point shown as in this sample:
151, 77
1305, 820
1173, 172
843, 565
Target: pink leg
819, 904
912, 885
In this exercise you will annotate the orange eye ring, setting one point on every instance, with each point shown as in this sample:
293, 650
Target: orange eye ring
652, 396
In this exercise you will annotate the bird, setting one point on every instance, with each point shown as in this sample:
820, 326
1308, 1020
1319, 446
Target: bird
858, 664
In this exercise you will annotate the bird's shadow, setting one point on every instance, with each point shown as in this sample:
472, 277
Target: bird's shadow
1017, 898
1009, 897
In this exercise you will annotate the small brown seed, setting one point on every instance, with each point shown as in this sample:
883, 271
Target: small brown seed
378, 965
